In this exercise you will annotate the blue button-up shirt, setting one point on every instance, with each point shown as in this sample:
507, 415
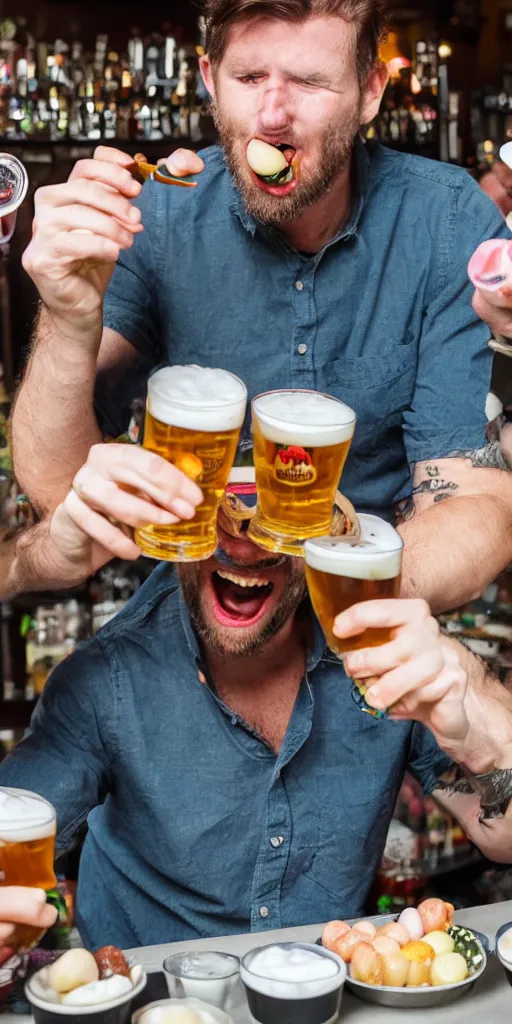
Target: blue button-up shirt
196, 828
380, 318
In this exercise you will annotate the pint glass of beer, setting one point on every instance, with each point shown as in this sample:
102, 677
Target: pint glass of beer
27, 841
301, 442
193, 419
341, 573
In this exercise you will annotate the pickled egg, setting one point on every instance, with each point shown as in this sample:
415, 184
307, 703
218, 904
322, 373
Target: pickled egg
419, 974
385, 944
346, 945
333, 931
366, 965
411, 921
264, 159
434, 915
74, 968
395, 931
419, 952
395, 969
366, 928
441, 942
448, 969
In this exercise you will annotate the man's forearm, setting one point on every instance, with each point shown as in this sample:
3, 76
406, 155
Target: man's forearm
53, 424
29, 562
454, 549
486, 754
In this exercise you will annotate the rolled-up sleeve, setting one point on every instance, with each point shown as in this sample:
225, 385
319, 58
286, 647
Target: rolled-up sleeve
447, 412
131, 301
67, 754
427, 762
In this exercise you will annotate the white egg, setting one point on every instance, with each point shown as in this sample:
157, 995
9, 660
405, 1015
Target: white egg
104, 991
170, 1015
75, 967
505, 946
411, 921
265, 159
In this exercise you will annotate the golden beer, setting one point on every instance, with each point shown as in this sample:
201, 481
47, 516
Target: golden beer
301, 442
341, 573
193, 419
27, 842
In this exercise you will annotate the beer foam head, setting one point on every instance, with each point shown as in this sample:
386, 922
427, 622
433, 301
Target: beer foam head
24, 816
305, 417
197, 398
292, 971
377, 555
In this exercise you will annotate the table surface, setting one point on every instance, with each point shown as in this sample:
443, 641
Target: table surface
489, 1002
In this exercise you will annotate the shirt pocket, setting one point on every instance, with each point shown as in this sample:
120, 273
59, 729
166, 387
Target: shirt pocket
350, 843
378, 387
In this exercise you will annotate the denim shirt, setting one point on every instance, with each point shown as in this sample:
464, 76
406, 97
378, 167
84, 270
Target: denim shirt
380, 318
196, 828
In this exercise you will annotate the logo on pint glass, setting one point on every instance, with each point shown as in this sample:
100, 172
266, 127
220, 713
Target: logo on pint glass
294, 465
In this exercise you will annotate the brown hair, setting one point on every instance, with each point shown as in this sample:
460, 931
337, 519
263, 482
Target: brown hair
221, 14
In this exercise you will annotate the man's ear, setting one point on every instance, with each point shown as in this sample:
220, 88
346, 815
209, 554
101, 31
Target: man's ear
205, 67
373, 91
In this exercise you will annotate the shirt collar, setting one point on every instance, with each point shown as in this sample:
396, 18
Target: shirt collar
360, 189
316, 646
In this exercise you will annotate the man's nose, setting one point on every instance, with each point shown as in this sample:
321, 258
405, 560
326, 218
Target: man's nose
275, 113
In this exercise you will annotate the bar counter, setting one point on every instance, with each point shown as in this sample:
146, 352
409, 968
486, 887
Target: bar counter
489, 1002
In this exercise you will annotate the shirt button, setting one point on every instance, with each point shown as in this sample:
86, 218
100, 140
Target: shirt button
264, 912
277, 841
299, 286
302, 349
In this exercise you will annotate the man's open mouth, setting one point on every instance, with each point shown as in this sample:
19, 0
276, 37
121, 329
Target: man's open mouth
273, 165
239, 600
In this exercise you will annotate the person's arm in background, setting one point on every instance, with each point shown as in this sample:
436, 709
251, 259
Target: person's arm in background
457, 530
460, 709
68, 753
80, 229
79, 537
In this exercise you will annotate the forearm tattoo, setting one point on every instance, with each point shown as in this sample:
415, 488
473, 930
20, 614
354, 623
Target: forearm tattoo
489, 457
494, 789
436, 483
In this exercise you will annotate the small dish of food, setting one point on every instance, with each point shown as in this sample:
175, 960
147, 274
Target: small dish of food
504, 949
181, 1011
99, 987
421, 959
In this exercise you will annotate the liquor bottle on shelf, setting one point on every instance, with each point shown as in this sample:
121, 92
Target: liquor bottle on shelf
57, 91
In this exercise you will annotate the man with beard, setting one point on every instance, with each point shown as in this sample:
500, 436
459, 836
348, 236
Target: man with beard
230, 780
349, 278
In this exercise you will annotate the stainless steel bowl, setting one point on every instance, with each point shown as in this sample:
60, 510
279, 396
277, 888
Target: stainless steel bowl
423, 997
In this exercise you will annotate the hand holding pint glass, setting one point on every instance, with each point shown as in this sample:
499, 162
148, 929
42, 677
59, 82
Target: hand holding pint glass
301, 442
27, 841
341, 573
193, 419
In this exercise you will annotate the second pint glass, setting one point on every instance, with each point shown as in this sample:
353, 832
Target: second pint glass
301, 442
193, 419
340, 574
27, 842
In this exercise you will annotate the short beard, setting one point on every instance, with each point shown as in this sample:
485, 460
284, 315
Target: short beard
240, 644
336, 149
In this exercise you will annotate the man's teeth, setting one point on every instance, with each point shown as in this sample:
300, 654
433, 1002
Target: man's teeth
242, 581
